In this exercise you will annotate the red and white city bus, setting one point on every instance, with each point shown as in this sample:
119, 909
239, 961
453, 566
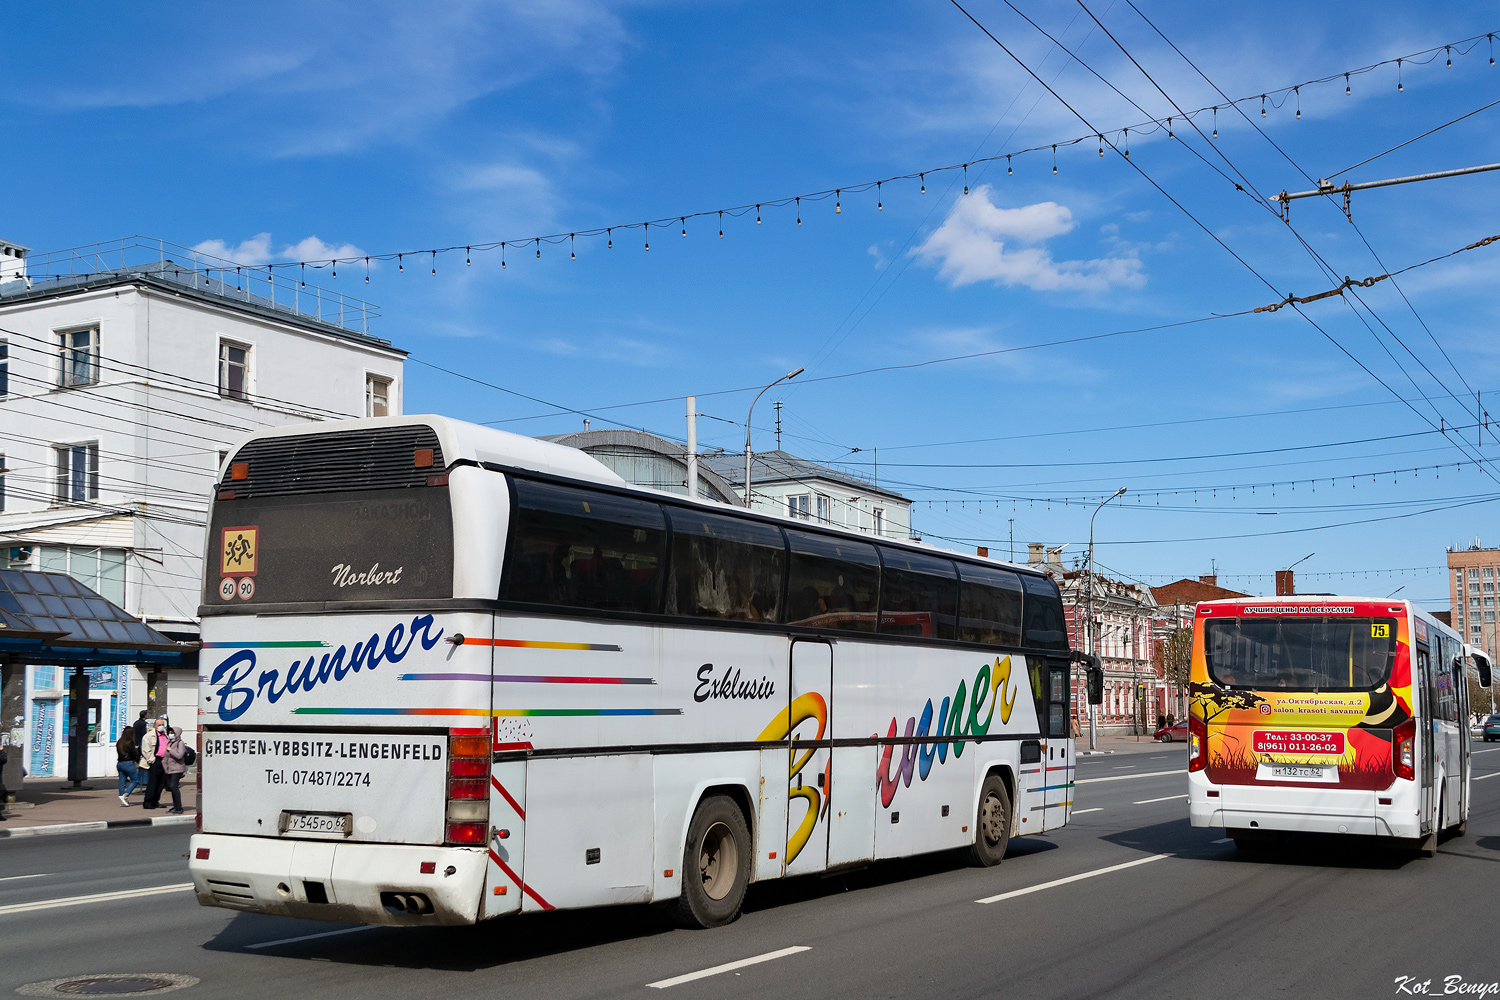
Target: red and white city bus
450, 673
1329, 715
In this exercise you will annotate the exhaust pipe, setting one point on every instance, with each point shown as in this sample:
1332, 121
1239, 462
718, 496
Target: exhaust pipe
412, 903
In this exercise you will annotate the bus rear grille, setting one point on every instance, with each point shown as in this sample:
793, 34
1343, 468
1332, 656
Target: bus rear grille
225, 891
378, 458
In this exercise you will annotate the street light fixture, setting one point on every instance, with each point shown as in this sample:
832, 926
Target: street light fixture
748, 417
1092, 629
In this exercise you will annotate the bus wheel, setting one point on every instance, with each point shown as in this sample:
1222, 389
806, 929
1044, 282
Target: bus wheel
715, 865
992, 824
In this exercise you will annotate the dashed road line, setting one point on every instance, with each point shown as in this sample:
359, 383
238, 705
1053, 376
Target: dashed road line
1122, 777
689, 977
1071, 878
1080, 812
97, 897
308, 937
1164, 798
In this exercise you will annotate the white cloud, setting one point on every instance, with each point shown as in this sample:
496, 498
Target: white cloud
257, 250
971, 246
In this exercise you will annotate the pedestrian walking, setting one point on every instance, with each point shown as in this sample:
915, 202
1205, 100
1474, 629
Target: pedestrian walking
127, 753
4, 795
174, 764
153, 755
140, 726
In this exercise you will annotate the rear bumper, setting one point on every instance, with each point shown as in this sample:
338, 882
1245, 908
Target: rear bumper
1297, 810
272, 876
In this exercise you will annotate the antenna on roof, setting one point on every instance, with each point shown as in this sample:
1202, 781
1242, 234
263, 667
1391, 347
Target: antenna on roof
777, 404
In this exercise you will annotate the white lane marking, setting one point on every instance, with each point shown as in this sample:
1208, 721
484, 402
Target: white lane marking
13, 878
1223, 840
1164, 798
308, 937
1490, 750
98, 897
662, 984
1071, 878
1080, 812
1123, 767
1490, 775
1122, 777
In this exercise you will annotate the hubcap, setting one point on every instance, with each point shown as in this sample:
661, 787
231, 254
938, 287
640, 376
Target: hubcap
718, 861
991, 819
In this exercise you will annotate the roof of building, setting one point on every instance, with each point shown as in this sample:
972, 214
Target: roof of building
52, 618
1192, 591
622, 442
193, 274
782, 467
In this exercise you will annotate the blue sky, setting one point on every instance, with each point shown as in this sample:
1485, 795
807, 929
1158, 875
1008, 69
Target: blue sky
384, 127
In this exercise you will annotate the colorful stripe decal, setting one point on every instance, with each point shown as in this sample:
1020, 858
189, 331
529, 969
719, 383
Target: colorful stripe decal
513, 803
498, 713
535, 644
529, 679
517, 880
1061, 767
1053, 805
1050, 788
313, 644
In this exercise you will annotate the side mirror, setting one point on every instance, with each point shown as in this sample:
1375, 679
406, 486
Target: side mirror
1482, 662
1095, 676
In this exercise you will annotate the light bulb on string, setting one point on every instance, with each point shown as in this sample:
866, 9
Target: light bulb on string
1449, 50
1298, 92
757, 215
1216, 121
572, 254
838, 207
721, 225
335, 270
367, 270
609, 239
468, 255
648, 237
502, 256
1400, 87
1348, 90
799, 210
304, 275
683, 220
879, 205
539, 248
1262, 105
434, 263
1127, 143
400, 266
1101, 145
923, 177
1009, 172
1054, 159
1169, 130
966, 175
1492, 49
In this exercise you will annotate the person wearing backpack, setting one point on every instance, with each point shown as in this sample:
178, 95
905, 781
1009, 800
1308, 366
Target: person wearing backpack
175, 763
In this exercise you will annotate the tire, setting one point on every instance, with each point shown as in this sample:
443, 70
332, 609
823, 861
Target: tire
992, 823
715, 865
1164, 738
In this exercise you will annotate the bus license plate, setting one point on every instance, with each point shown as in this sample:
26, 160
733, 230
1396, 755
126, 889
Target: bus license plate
1297, 772
317, 824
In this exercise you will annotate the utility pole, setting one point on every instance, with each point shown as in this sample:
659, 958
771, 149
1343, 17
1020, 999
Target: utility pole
692, 446
1012, 538
777, 404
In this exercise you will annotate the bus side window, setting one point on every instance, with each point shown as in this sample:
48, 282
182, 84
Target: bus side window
919, 594
832, 582
584, 549
1057, 703
989, 610
724, 568
1045, 625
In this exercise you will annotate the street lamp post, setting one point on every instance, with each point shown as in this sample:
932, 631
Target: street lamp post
1092, 628
748, 417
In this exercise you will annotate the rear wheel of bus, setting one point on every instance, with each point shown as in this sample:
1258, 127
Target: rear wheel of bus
715, 864
991, 824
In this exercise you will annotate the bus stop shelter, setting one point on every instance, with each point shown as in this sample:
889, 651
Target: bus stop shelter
51, 619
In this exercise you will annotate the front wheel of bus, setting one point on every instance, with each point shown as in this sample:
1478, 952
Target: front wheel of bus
715, 865
992, 824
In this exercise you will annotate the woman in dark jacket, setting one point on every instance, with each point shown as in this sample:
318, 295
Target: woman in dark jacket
126, 756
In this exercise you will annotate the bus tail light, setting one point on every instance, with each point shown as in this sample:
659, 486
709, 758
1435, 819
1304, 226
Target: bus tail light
1197, 743
468, 812
1404, 750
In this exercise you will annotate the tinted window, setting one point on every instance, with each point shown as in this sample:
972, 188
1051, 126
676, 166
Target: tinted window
1043, 614
920, 595
990, 606
583, 549
725, 568
834, 582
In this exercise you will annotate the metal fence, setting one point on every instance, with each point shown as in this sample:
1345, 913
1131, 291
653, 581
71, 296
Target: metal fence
273, 287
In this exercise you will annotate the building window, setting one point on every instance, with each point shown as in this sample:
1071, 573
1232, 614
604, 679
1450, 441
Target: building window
1475, 628
77, 472
101, 570
797, 505
377, 396
1489, 616
823, 509
234, 370
879, 513
1473, 602
1474, 587
79, 353
1489, 573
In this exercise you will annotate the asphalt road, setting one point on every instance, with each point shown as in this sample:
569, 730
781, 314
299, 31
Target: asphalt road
1318, 920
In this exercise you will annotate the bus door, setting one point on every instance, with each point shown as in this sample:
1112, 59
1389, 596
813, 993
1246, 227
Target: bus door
1458, 764
1428, 728
1058, 762
810, 696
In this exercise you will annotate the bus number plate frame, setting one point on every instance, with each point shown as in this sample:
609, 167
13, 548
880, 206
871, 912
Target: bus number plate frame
1298, 772
332, 825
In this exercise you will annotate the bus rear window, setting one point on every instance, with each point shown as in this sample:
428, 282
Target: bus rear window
1300, 654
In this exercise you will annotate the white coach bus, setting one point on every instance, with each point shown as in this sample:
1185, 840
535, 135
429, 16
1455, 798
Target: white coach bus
451, 673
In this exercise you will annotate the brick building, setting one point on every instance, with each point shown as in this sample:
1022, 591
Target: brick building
1472, 575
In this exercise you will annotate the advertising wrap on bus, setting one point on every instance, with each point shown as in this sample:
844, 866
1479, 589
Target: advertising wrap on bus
1301, 694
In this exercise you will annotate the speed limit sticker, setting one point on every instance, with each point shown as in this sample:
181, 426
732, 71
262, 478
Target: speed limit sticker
247, 588
226, 588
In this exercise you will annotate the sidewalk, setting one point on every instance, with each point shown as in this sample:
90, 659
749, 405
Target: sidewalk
1121, 744
48, 805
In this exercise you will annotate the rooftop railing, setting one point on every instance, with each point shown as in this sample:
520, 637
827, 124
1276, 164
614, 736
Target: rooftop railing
267, 286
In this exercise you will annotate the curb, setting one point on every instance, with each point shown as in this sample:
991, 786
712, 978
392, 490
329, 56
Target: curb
113, 824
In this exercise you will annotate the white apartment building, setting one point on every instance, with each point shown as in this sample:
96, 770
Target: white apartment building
127, 372
781, 483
